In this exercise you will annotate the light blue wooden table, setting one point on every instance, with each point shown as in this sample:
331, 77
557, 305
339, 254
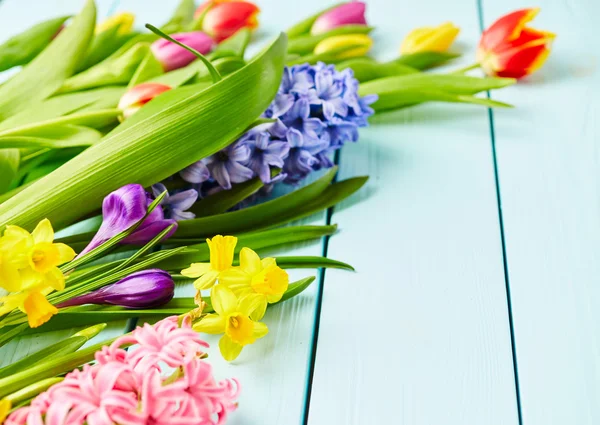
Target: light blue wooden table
475, 242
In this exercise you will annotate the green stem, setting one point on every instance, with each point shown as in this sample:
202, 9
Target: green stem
466, 68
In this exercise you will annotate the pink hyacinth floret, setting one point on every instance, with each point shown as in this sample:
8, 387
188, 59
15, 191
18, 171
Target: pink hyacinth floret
137, 386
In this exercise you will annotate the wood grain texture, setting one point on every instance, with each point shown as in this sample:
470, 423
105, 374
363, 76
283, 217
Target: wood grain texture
548, 152
420, 334
16, 16
273, 371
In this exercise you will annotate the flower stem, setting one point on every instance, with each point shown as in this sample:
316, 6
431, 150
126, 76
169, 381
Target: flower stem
466, 68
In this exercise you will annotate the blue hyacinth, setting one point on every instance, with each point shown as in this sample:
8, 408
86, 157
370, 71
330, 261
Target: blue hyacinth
317, 110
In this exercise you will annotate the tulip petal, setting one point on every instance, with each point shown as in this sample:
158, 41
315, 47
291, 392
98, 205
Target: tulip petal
521, 62
507, 28
352, 13
225, 19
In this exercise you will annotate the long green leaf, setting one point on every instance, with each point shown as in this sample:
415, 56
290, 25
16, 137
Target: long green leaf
226, 199
23, 47
425, 60
55, 137
366, 69
182, 16
9, 166
310, 262
167, 138
47, 72
103, 45
234, 46
296, 288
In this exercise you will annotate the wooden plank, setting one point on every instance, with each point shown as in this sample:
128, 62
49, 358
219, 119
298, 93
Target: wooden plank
16, 16
420, 334
273, 372
547, 153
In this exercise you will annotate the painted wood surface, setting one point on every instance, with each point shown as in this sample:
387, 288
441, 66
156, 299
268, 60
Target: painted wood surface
419, 335
548, 164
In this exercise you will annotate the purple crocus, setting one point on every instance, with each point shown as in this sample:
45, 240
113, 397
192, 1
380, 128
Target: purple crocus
143, 289
172, 56
122, 209
175, 206
265, 153
226, 166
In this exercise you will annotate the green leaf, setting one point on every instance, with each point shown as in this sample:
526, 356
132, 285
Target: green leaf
45, 74
306, 44
366, 69
181, 18
330, 57
115, 70
197, 72
425, 60
225, 66
149, 68
60, 348
308, 262
304, 26
296, 288
234, 46
9, 166
103, 45
166, 135
24, 47
54, 137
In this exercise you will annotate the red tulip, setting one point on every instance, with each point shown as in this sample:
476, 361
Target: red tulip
226, 17
139, 95
510, 49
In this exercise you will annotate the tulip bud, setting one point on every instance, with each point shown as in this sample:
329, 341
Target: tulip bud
345, 46
430, 39
510, 49
172, 56
122, 209
225, 18
352, 13
138, 96
123, 20
143, 289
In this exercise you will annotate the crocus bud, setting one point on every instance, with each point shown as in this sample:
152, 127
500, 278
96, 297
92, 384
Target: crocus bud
352, 13
225, 18
430, 39
123, 20
345, 46
172, 56
122, 209
510, 49
139, 95
143, 289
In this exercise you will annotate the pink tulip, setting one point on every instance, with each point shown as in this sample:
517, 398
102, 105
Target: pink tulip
173, 56
139, 95
352, 13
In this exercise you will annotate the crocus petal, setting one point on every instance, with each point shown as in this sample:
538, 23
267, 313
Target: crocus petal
351, 13
147, 232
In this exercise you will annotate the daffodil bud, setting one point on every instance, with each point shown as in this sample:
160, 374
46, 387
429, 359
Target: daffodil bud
345, 46
508, 48
172, 56
139, 95
430, 39
352, 13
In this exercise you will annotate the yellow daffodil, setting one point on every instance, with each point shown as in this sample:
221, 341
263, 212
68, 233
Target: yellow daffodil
38, 252
221, 259
263, 278
430, 39
233, 319
345, 46
123, 20
33, 303
5, 406
10, 279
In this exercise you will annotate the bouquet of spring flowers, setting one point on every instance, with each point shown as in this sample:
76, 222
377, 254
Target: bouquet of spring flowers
155, 154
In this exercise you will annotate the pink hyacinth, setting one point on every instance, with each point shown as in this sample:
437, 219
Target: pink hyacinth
133, 387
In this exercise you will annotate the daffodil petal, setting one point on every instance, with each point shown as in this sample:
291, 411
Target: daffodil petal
55, 279
43, 232
260, 330
196, 270
269, 261
14, 235
38, 309
5, 406
260, 310
249, 303
210, 324
235, 276
229, 349
223, 300
9, 277
206, 281
65, 252
249, 261
273, 298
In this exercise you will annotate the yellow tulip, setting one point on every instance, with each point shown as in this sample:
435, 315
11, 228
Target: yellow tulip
232, 318
430, 39
221, 259
345, 46
124, 20
5, 406
262, 278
